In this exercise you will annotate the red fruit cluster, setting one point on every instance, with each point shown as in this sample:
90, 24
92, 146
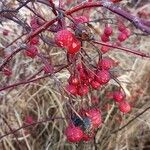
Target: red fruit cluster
106, 34
123, 105
124, 32
80, 83
66, 39
91, 121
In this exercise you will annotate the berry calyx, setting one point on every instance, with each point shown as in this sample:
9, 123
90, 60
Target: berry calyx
124, 107
73, 134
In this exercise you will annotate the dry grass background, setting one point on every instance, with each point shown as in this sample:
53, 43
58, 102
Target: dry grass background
44, 99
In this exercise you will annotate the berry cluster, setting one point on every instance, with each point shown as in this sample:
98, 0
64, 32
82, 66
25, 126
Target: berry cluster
83, 129
123, 105
73, 33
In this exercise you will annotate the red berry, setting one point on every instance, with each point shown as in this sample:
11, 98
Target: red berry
118, 96
73, 134
108, 31
67, 39
122, 37
105, 63
104, 38
71, 89
73, 80
7, 71
87, 137
127, 32
63, 38
105, 49
83, 75
83, 90
95, 116
124, 107
103, 76
74, 47
95, 84
31, 51
80, 19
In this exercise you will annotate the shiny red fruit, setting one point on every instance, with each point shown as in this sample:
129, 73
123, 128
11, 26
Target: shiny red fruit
118, 96
104, 49
124, 107
73, 80
105, 63
71, 89
127, 32
74, 47
63, 38
73, 134
122, 37
104, 38
103, 76
108, 30
83, 90
95, 116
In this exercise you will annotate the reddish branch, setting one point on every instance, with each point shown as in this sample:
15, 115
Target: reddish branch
135, 52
